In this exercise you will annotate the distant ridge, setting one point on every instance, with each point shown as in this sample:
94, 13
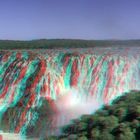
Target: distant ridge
65, 43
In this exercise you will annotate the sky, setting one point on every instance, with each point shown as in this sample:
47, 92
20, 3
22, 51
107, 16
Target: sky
69, 19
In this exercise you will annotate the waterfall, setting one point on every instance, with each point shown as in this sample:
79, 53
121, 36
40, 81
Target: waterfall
70, 78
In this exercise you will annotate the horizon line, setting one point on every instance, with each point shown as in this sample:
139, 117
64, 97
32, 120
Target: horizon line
76, 39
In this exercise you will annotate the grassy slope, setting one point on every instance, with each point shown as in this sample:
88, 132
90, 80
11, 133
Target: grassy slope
66, 43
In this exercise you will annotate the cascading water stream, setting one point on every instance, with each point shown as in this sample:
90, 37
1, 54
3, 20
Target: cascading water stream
71, 78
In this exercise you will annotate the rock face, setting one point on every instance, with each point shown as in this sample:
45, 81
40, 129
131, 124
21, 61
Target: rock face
31, 83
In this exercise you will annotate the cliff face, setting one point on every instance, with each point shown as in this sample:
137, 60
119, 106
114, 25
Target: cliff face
32, 79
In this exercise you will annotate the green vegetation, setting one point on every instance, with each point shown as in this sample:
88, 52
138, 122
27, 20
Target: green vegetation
64, 43
119, 121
